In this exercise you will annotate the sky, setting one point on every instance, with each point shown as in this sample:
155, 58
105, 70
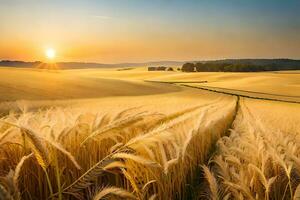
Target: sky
114, 31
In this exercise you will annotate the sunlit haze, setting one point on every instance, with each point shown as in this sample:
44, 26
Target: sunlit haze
136, 31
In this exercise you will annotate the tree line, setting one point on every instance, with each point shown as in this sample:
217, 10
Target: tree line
160, 68
239, 66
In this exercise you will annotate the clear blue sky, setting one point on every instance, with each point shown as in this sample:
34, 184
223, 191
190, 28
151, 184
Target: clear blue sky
136, 30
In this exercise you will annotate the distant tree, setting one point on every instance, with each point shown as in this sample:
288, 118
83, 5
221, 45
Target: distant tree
170, 69
188, 67
161, 68
151, 68
200, 67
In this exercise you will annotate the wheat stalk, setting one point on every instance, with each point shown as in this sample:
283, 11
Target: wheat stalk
113, 191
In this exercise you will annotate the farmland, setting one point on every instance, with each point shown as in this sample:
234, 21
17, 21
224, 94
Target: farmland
134, 134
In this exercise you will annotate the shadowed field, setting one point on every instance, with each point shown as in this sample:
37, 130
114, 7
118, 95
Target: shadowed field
28, 84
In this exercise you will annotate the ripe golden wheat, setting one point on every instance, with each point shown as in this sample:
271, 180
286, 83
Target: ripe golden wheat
256, 161
68, 153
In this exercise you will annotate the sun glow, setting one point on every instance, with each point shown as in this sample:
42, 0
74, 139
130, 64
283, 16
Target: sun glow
50, 53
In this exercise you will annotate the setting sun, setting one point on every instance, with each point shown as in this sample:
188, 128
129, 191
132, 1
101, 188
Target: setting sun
50, 53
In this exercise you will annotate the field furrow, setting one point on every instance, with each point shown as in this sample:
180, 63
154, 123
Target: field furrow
260, 158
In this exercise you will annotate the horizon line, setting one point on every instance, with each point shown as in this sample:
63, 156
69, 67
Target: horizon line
194, 60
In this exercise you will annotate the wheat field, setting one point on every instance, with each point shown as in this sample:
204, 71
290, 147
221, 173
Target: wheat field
107, 134
260, 157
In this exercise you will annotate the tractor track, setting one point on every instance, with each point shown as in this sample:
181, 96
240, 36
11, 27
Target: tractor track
232, 92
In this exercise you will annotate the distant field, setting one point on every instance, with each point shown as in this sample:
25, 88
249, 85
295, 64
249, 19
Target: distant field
30, 84
144, 138
33, 84
280, 83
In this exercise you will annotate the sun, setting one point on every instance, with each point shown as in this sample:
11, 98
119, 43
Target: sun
50, 53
